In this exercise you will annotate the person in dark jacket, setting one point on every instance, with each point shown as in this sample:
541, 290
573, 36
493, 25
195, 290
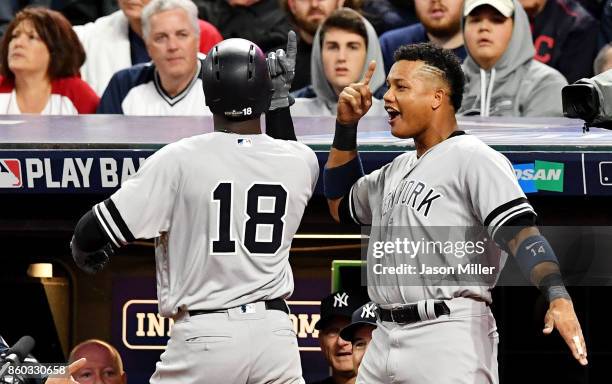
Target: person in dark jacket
440, 23
564, 36
260, 21
306, 16
76, 11
386, 15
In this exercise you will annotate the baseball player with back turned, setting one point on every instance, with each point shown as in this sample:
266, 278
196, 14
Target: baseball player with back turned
437, 334
223, 207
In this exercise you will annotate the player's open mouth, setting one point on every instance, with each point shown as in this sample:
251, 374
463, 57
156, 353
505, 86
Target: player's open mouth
393, 114
340, 354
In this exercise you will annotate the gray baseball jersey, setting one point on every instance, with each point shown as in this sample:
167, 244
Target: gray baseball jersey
458, 183
224, 209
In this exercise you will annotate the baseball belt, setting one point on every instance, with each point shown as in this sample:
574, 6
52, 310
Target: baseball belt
274, 304
407, 314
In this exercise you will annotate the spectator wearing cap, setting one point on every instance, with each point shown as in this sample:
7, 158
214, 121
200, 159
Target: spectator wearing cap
336, 312
359, 331
502, 78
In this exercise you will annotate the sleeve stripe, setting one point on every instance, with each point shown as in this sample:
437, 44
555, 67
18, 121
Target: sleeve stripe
115, 216
503, 217
110, 223
352, 208
503, 208
104, 225
517, 212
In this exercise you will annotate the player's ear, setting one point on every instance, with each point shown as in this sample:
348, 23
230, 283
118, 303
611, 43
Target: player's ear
438, 97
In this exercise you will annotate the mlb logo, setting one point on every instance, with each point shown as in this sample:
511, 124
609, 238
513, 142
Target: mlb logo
10, 173
248, 308
244, 142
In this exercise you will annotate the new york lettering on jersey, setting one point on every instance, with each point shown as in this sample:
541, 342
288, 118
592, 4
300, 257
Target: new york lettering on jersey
414, 202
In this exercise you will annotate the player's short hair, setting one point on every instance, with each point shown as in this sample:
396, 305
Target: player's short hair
113, 351
345, 19
443, 59
65, 49
157, 6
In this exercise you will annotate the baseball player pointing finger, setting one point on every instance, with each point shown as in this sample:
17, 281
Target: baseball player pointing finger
452, 179
355, 100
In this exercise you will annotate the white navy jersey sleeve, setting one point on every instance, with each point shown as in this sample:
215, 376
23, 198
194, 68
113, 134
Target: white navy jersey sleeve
224, 209
494, 191
142, 207
366, 195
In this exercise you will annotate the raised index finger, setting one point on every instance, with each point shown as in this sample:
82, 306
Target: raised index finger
291, 45
369, 73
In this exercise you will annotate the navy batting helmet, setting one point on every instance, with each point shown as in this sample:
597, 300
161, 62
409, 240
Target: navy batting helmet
237, 84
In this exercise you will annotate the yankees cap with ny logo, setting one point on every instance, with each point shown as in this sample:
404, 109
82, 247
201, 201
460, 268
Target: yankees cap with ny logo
364, 315
340, 303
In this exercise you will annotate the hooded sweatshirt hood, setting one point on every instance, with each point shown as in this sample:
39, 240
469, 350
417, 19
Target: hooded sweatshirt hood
519, 51
514, 86
323, 88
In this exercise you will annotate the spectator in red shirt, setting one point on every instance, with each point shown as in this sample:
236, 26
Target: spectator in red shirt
40, 57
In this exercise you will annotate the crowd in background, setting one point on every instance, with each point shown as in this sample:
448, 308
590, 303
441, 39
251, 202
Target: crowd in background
77, 56
144, 57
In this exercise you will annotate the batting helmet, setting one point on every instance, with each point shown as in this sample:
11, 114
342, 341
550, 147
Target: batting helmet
237, 84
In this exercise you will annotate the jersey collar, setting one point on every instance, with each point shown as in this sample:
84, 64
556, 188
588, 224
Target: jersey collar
456, 133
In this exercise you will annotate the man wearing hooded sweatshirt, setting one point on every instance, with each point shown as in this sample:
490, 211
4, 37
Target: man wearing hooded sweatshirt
502, 77
347, 42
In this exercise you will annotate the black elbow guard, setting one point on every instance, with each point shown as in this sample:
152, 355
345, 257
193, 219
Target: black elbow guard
88, 234
91, 249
